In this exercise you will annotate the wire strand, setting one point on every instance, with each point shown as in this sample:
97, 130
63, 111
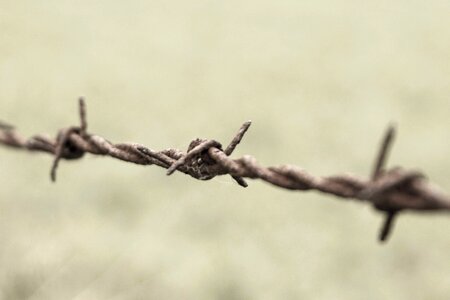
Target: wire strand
389, 191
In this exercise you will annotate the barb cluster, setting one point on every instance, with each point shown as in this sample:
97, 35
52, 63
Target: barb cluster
388, 190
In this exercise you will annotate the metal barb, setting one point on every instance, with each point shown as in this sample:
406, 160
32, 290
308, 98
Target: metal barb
237, 139
233, 144
61, 141
195, 151
390, 191
384, 151
387, 226
83, 116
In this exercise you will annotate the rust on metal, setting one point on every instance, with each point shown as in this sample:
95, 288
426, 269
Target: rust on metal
390, 191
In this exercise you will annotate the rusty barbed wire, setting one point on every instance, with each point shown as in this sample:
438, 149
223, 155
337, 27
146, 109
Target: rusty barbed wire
389, 191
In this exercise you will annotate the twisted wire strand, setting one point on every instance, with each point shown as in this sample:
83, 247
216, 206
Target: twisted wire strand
389, 191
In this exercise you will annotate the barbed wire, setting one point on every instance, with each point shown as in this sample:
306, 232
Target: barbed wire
389, 191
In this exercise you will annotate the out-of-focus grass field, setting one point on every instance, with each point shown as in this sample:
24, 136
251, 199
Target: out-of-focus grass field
319, 79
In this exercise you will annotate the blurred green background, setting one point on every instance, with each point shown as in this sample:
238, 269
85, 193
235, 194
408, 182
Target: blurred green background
319, 79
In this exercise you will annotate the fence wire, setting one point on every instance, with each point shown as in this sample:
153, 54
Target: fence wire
389, 191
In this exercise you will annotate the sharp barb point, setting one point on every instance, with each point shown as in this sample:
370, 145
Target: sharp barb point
237, 139
387, 226
241, 181
384, 151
